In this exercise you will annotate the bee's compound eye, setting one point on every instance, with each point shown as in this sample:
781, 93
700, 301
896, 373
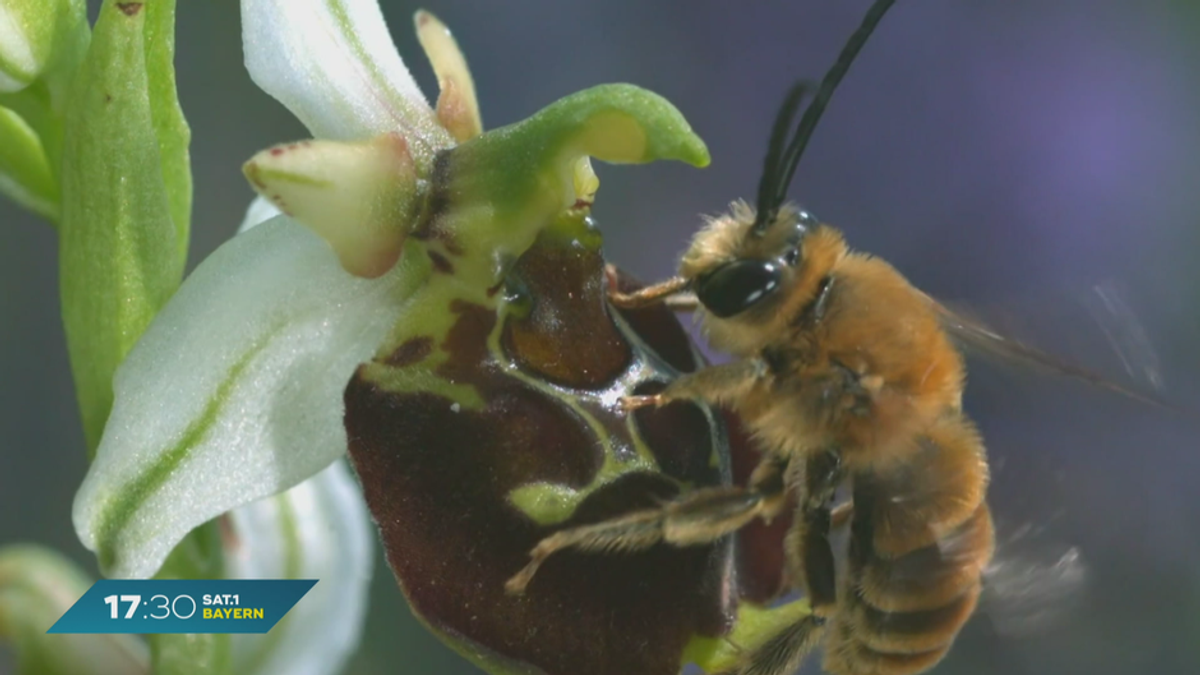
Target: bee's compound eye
735, 287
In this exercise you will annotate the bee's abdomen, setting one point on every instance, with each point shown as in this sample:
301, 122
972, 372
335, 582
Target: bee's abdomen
913, 582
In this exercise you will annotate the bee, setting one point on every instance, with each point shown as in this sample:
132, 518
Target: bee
846, 374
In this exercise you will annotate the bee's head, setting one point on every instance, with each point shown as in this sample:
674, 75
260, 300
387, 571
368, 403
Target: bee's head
743, 263
754, 274
747, 277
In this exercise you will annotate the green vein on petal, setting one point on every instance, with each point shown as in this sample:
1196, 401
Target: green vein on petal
338, 9
234, 393
133, 495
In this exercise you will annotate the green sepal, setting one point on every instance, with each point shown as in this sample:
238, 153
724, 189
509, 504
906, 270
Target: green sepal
37, 585
125, 183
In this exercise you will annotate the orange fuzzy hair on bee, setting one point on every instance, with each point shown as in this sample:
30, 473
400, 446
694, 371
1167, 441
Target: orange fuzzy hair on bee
873, 322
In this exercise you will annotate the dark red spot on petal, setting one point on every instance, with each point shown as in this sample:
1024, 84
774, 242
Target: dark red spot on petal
412, 351
130, 8
440, 262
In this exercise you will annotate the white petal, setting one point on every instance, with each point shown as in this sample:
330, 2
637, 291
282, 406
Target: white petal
234, 393
333, 64
321, 530
259, 211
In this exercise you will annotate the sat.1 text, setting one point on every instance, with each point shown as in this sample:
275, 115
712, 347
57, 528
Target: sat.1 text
226, 599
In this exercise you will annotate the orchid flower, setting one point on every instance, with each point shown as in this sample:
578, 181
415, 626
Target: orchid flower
227, 403
234, 392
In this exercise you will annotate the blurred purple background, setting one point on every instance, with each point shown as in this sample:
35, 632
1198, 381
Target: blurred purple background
1006, 154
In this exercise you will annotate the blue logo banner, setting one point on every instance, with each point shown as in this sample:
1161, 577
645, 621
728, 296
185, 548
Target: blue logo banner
182, 606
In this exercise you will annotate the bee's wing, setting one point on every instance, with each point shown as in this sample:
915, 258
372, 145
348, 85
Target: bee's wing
1125, 334
1028, 590
1123, 331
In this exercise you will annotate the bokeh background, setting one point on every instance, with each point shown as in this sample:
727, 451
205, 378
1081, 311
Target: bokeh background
1005, 154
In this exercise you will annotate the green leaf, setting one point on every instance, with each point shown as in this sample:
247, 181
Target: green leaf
125, 193
36, 586
25, 175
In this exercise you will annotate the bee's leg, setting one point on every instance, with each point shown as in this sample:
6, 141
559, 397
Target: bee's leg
696, 518
650, 295
810, 555
841, 515
682, 302
714, 384
785, 651
808, 541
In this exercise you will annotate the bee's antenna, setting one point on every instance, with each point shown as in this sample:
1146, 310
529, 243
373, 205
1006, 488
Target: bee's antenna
768, 185
781, 166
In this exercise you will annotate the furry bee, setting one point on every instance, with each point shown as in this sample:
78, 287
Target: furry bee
845, 373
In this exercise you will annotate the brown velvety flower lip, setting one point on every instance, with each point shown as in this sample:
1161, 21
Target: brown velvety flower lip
437, 476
